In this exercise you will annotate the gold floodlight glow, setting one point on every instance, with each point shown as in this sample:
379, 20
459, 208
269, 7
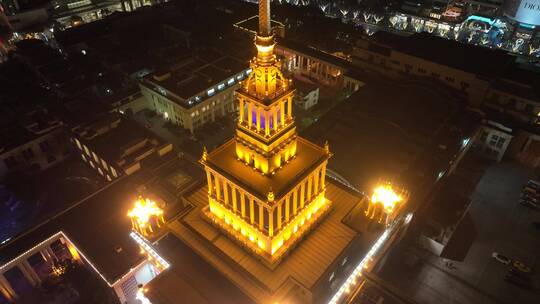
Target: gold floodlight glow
385, 195
144, 213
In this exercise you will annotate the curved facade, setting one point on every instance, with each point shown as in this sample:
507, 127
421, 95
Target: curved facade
523, 11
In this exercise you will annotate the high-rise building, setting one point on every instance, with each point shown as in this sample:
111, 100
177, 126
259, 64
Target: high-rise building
266, 186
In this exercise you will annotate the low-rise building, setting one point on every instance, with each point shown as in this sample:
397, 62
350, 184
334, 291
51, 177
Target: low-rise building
468, 69
114, 145
306, 95
196, 91
493, 140
37, 142
517, 94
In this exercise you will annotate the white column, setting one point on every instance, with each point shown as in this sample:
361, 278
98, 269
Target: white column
29, 273
51, 252
6, 289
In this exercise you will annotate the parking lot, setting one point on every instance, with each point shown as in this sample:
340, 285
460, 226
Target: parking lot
498, 223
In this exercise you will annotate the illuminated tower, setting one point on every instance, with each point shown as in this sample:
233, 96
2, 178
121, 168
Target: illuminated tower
266, 186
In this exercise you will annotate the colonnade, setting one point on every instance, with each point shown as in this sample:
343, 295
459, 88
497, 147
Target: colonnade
317, 68
29, 273
267, 216
278, 114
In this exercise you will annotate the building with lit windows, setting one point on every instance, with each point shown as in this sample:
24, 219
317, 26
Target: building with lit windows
195, 91
132, 145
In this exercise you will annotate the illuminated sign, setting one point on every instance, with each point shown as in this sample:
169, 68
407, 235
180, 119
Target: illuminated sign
523, 11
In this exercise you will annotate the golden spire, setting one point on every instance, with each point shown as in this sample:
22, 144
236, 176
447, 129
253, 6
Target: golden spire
204, 154
326, 146
270, 195
264, 18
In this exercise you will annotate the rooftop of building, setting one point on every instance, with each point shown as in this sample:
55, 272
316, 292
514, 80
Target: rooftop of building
465, 57
130, 139
520, 81
308, 156
194, 76
307, 265
313, 52
98, 225
304, 87
380, 130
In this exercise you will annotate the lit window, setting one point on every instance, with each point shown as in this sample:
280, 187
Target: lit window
221, 86
231, 81
331, 277
78, 144
211, 92
239, 77
95, 157
248, 71
193, 114
114, 172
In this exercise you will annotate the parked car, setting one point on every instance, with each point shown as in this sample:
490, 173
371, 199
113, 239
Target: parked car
534, 184
522, 267
530, 197
516, 272
501, 258
529, 203
530, 190
517, 280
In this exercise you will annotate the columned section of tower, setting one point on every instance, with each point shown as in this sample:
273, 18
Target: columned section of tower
267, 226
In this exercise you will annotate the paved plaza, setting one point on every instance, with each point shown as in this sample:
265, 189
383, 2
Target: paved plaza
498, 223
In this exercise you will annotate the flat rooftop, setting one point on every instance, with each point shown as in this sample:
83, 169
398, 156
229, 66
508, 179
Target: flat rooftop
196, 75
466, 57
379, 131
97, 225
305, 266
308, 156
123, 132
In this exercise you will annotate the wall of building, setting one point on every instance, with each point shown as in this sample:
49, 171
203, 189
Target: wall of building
108, 171
473, 87
493, 142
217, 105
520, 108
306, 100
